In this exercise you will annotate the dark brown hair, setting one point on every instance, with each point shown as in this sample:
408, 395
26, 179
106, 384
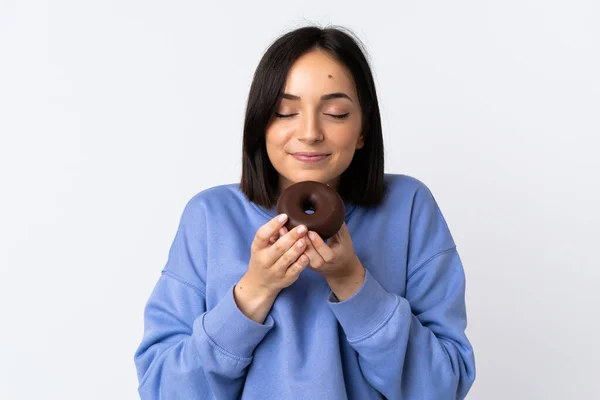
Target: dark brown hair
362, 183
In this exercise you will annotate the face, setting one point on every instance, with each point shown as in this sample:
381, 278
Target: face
318, 113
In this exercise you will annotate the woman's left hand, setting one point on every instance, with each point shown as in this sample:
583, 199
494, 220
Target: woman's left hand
336, 260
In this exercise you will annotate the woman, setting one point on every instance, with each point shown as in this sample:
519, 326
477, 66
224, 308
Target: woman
246, 309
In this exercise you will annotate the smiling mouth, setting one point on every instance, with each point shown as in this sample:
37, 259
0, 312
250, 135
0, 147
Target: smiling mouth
310, 159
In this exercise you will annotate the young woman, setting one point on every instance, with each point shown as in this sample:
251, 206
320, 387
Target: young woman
246, 309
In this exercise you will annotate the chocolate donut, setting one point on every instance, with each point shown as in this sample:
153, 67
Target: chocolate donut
328, 207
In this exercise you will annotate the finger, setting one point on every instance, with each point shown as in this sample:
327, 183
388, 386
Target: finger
292, 255
282, 231
281, 246
268, 230
294, 270
322, 248
315, 259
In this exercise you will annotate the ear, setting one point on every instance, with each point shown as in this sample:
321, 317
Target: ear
360, 142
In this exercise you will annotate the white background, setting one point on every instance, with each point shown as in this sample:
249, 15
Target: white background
114, 114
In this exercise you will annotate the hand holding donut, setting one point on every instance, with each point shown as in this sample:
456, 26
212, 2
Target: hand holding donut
334, 260
337, 262
276, 264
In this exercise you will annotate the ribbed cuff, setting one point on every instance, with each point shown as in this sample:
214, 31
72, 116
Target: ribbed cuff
231, 330
366, 311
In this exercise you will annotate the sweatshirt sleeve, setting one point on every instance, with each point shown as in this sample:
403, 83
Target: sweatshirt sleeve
187, 351
415, 346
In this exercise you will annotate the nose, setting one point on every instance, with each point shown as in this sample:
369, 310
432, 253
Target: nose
310, 129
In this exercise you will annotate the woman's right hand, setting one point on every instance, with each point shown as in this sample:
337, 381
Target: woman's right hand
276, 261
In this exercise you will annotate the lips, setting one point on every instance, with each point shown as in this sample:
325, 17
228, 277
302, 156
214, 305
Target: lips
310, 157
308, 154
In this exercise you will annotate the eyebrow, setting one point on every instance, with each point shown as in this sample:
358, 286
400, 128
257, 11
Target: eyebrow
329, 96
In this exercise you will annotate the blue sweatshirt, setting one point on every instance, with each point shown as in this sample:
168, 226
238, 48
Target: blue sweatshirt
400, 336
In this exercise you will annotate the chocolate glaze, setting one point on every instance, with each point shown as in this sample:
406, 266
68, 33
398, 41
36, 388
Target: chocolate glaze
328, 206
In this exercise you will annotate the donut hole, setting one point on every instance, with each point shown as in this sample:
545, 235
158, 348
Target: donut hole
308, 207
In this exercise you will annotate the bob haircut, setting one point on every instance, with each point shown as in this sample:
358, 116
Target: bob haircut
362, 183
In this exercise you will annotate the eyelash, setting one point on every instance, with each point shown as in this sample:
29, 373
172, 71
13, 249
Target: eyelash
336, 116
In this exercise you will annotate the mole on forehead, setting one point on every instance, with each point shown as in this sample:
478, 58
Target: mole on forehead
331, 77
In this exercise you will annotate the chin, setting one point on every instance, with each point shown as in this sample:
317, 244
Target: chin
311, 177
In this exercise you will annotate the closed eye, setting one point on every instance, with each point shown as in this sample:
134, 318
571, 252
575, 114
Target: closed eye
285, 115
338, 116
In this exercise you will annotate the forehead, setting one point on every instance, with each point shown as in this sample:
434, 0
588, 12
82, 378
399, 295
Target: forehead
318, 73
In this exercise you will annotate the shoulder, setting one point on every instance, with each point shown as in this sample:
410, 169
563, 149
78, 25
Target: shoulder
214, 199
427, 224
219, 194
402, 188
404, 182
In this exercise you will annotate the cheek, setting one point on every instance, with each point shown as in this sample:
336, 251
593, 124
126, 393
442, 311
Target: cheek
345, 138
277, 134
276, 140
273, 140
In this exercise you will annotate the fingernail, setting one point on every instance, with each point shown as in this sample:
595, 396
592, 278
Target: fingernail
302, 229
282, 217
312, 236
300, 243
